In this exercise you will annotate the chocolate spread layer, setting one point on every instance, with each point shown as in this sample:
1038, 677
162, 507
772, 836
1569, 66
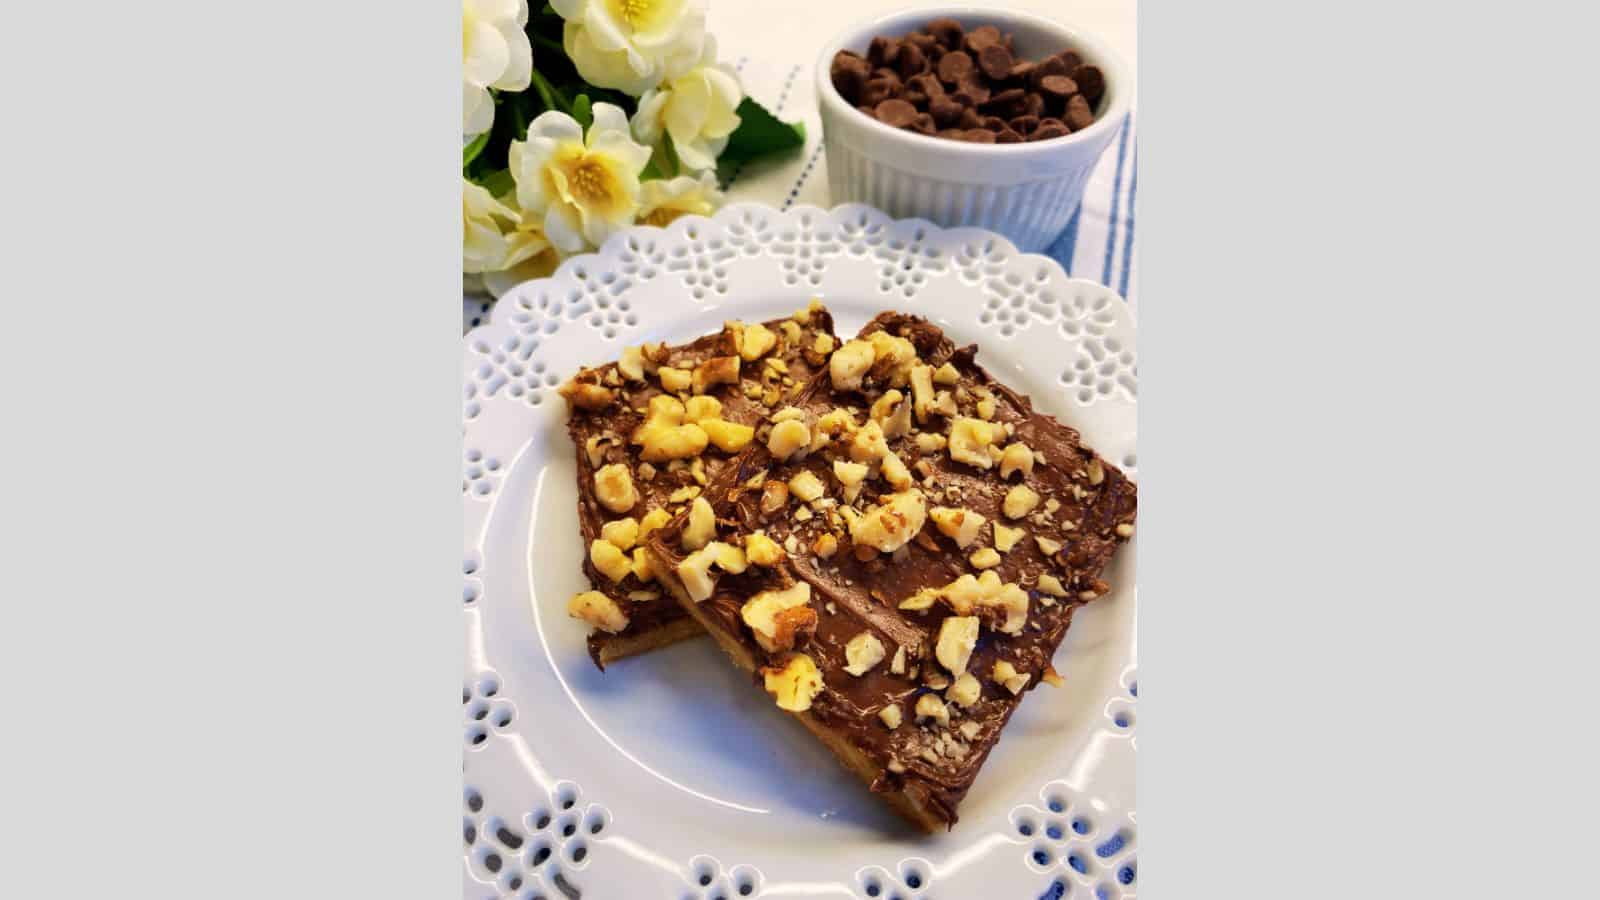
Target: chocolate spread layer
787, 369
1085, 512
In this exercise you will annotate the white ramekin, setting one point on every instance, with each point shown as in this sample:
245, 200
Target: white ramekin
1026, 191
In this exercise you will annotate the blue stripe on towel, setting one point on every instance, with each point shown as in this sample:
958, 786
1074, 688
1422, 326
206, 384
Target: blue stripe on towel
1116, 197
1061, 250
1127, 247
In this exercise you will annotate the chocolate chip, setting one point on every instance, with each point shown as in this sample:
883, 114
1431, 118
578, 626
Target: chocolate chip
1049, 128
1046, 68
1059, 87
1079, 115
1006, 103
1021, 69
955, 67
970, 118
912, 61
948, 31
974, 88
927, 84
1024, 124
1008, 137
945, 110
978, 136
922, 40
994, 123
981, 37
898, 113
953, 133
883, 51
996, 62
849, 73
1091, 83
876, 91
889, 75
1033, 105
1069, 60
923, 124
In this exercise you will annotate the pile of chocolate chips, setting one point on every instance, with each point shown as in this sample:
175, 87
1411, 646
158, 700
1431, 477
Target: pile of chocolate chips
969, 85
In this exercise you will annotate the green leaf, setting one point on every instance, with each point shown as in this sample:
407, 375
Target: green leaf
499, 182
760, 133
582, 111
470, 152
552, 98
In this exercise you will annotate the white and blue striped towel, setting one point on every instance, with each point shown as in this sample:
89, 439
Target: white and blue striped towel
1098, 243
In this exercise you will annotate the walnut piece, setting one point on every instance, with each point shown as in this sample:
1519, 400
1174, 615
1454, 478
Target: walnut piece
610, 560
714, 371
729, 437
970, 439
622, 533
701, 407
762, 550
1006, 537
788, 438
891, 525
1047, 546
587, 394
891, 716
947, 375
1050, 584
1006, 674
965, 691
825, 546
806, 485
631, 365
1020, 501
702, 525
929, 706
598, 610
960, 525
957, 636
674, 380
665, 436
695, 570
758, 341
862, 652
774, 496
849, 364
777, 617
613, 487
795, 683
985, 558
1016, 458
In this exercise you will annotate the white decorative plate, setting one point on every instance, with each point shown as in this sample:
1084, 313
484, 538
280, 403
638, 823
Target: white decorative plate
669, 776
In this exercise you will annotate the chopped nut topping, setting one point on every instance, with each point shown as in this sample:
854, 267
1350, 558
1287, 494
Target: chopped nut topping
795, 683
892, 414
701, 407
921, 600
891, 716
647, 472
928, 442
776, 618
957, 636
609, 559
714, 371
1020, 501
823, 344
891, 525
929, 706
897, 666
1097, 471
595, 448
774, 496
825, 546
1016, 458
986, 408
935, 679
985, 558
695, 571
922, 395
622, 533
643, 596
893, 358
970, 729
961, 525
803, 514
684, 494
702, 525
728, 437
587, 394
642, 569
631, 365
674, 380
1125, 530
849, 364
762, 550
970, 440
1007, 675
862, 652
965, 691
791, 545
1006, 537
806, 485
613, 487
1051, 677
1047, 546
947, 375
598, 610
758, 341
664, 435
788, 438
868, 445
1050, 584
895, 472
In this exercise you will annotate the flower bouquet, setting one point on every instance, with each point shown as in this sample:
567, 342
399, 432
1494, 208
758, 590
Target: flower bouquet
588, 117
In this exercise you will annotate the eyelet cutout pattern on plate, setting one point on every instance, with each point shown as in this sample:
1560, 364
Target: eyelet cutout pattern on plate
1062, 838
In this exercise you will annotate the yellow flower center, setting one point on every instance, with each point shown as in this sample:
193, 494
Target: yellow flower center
589, 182
638, 14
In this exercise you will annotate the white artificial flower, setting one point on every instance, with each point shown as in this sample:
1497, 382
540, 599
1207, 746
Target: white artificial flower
631, 45
696, 108
483, 245
584, 188
494, 54
665, 200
